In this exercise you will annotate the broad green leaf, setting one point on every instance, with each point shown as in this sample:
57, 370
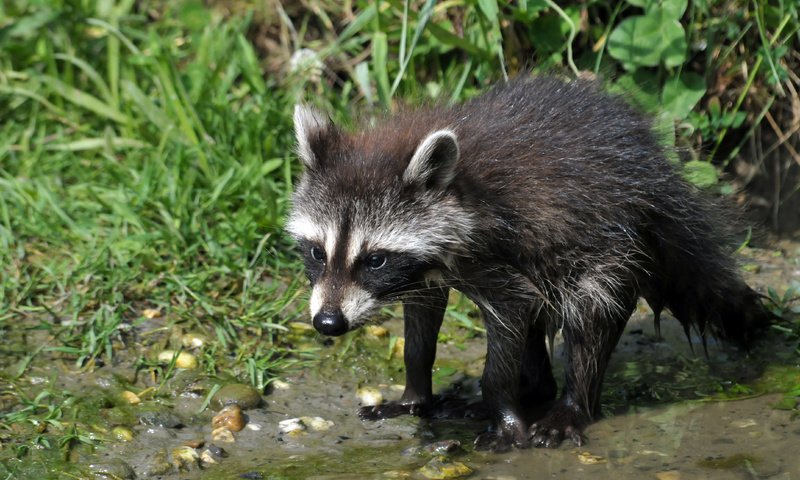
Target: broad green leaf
489, 9
647, 40
682, 93
701, 174
674, 9
639, 87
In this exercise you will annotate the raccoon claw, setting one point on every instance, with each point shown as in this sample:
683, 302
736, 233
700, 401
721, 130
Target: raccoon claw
500, 442
542, 436
391, 410
549, 433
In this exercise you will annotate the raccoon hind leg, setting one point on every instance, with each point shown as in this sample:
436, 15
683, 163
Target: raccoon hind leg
588, 342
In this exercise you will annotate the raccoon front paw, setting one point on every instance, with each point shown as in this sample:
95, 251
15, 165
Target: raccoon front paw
501, 441
560, 422
391, 410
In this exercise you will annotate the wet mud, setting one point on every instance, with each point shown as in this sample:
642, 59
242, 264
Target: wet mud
671, 412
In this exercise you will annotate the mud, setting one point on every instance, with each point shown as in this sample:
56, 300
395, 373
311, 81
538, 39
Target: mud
671, 412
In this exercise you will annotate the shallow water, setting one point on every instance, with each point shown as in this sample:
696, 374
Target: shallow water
661, 419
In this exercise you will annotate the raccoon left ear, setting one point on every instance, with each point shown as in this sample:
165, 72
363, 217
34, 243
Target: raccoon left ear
434, 161
309, 127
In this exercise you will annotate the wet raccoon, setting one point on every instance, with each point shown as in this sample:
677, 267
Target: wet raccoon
549, 204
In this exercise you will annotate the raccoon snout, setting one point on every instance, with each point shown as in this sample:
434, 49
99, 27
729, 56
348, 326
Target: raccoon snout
330, 323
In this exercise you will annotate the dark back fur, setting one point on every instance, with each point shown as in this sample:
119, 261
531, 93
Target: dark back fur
573, 189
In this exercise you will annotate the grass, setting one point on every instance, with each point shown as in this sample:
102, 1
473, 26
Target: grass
145, 165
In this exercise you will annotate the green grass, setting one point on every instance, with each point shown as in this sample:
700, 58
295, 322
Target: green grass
146, 165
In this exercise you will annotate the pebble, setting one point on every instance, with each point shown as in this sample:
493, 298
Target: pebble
442, 447
292, 426
185, 458
113, 468
207, 458
587, 458
280, 385
399, 348
193, 340
744, 423
443, 468
230, 417
163, 419
376, 331
369, 396
222, 434
158, 464
197, 443
131, 397
151, 313
123, 434
185, 360
244, 396
318, 424
669, 475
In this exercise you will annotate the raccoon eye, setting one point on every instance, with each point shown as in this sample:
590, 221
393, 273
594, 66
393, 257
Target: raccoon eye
317, 254
376, 261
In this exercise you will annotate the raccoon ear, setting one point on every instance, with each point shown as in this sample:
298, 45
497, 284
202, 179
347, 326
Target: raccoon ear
434, 161
309, 127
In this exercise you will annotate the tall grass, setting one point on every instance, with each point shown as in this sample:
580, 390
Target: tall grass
146, 163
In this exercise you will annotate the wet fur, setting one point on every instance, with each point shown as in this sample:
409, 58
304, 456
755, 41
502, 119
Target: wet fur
560, 212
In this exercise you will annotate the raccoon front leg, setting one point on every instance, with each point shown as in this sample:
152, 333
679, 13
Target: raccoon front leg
588, 347
423, 314
506, 333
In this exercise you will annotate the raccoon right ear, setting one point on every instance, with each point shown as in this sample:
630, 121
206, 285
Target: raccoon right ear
309, 127
434, 161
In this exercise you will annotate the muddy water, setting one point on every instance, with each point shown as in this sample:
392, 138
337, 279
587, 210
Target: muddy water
732, 439
669, 413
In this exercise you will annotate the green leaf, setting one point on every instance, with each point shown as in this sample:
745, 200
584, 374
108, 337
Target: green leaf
448, 38
84, 100
641, 3
380, 50
682, 93
639, 87
357, 25
674, 9
647, 40
489, 9
701, 174
249, 63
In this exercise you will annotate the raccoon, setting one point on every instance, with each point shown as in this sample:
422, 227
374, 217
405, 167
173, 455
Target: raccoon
550, 204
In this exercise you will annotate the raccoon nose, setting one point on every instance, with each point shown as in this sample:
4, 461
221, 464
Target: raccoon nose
330, 323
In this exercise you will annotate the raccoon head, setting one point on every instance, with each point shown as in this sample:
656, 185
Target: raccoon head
374, 216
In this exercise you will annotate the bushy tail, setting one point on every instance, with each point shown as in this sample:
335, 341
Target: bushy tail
694, 276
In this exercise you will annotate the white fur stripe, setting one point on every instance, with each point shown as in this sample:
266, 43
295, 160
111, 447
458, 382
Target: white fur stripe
330, 242
357, 304
316, 301
303, 227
